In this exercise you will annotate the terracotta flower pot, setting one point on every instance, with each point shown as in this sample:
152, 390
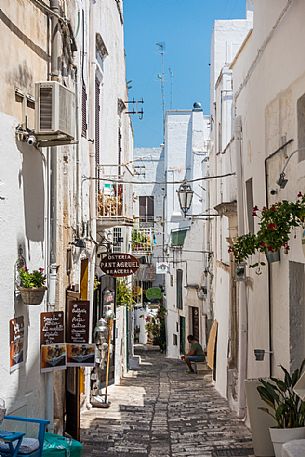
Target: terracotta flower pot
32, 296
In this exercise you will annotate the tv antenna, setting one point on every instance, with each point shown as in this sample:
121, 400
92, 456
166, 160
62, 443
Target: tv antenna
171, 75
161, 76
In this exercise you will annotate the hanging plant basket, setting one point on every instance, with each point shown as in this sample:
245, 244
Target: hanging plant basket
32, 296
273, 256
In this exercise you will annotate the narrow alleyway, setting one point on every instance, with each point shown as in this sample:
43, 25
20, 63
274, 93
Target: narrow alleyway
163, 411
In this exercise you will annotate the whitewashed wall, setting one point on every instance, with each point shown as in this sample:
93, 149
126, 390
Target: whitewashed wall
267, 120
186, 135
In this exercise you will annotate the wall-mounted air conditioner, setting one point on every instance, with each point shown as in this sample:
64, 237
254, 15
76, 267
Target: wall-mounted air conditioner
54, 111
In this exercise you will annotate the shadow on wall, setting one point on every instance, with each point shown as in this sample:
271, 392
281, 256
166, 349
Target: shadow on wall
33, 192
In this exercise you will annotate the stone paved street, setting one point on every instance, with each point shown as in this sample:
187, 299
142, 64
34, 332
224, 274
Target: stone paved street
162, 411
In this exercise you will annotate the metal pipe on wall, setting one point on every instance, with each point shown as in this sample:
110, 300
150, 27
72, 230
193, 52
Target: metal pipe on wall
242, 298
92, 168
55, 39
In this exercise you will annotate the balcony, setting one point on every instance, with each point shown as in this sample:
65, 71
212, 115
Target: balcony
141, 241
114, 205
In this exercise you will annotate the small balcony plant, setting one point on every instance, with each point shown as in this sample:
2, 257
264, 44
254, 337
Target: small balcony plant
284, 405
32, 286
140, 241
274, 232
124, 295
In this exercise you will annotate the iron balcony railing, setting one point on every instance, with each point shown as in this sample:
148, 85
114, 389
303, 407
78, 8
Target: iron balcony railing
114, 207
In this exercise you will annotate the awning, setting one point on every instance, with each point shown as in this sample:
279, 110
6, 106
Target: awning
178, 237
146, 272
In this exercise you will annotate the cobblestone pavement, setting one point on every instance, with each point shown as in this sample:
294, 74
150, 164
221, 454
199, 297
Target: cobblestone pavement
162, 411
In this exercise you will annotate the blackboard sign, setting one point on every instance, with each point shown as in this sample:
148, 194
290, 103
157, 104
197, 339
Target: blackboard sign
78, 321
52, 327
119, 265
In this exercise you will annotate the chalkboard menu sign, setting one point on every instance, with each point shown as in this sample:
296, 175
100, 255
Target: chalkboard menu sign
78, 321
52, 327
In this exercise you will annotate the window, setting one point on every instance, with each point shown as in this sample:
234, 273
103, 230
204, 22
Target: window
301, 127
146, 209
117, 239
250, 204
179, 280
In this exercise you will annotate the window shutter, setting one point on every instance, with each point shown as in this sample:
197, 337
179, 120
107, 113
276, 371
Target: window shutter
150, 208
97, 130
179, 279
84, 111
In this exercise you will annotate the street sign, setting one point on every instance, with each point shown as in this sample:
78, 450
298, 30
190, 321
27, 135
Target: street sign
119, 265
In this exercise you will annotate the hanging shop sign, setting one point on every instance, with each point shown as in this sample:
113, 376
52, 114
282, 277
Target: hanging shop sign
119, 265
52, 341
16, 342
162, 268
154, 293
52, 328
79, 352
78, 321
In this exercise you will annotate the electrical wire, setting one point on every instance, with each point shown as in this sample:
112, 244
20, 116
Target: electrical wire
118, 181
48, 10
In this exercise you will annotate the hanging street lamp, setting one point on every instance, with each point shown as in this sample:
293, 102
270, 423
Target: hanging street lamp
185, 197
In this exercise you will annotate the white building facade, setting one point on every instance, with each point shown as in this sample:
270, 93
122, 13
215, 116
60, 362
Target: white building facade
263, 108
185, 156
49, 193
222, 301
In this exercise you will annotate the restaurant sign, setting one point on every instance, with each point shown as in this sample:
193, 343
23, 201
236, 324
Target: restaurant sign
119, 265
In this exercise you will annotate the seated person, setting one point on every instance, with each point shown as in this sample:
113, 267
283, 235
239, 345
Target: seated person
195, 353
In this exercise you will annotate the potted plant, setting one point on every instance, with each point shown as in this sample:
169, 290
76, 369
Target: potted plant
139, 240
32, 286
285, 407
275, 226
124, 295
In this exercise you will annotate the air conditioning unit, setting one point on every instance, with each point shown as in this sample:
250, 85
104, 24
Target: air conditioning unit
54, 111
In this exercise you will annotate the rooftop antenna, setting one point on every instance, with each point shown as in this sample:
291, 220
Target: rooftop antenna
161, 76
171, 75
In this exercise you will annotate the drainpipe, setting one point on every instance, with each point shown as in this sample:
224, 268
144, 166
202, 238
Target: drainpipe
55, 40
92, 168
242, 300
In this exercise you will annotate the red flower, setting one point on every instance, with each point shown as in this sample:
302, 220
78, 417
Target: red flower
273, 208
41, 269
300, 194
271, 226
230, 250
263, 244
270, 248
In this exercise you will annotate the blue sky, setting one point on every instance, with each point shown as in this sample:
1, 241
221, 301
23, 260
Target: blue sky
185, 26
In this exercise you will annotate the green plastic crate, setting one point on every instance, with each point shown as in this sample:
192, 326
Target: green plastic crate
59, 446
